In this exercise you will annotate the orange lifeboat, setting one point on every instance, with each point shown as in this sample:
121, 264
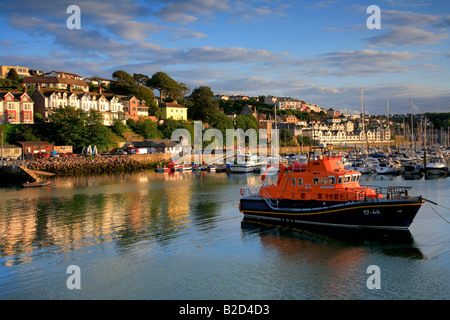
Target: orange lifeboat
323, 191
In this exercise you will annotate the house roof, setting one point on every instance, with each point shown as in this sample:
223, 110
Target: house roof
173, 105
156, 143
54, 80
33, 143
16, 94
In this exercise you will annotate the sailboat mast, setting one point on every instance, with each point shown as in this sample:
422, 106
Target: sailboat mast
364, 122
388, 127
412, 128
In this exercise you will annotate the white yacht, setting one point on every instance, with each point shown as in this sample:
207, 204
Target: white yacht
436, 165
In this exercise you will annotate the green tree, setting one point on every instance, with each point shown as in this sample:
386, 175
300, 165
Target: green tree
96, 134
286, 137
203, 104
26, 132
162, 82
67, 126
123, 76
246, 122
305, 140
71, 126
146, 128
221, 122
140, 78
169, 126
118, 127
13, 75
143, 93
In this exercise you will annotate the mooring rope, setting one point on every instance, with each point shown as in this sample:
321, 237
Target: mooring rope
428, 202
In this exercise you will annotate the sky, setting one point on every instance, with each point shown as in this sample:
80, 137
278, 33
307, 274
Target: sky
321, 52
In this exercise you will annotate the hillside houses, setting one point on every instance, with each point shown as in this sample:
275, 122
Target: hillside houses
16, 107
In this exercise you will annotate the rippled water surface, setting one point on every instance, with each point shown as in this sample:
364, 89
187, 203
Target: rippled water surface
181, 236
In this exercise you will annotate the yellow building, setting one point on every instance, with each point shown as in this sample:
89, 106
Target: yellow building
21, 71
174, 111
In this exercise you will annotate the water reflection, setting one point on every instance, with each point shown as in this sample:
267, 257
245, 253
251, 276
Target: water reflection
125, 209
395, 243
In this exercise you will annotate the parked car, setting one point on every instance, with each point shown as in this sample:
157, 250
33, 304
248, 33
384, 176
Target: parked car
43, 155
118, 152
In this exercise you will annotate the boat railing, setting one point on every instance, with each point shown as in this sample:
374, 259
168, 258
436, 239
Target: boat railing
388, 193
254, 192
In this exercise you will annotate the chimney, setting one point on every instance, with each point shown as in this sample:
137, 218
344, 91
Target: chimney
69, 87
100, 89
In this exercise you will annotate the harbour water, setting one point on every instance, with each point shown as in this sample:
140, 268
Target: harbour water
181, 236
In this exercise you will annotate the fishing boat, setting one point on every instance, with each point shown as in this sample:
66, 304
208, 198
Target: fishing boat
35, 184
327, 194
436, 165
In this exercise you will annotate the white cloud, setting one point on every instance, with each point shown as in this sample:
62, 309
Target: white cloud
407, 36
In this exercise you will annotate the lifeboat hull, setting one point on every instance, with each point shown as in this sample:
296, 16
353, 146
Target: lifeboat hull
382, 214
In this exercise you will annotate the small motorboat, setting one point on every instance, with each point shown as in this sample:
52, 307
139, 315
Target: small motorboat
361, 166
35, 184
411, 168
437, 166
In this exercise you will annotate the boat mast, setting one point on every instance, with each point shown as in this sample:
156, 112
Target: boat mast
388, 127
364, 123
412, 129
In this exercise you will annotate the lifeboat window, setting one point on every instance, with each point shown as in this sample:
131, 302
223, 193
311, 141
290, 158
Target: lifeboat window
293, 181
346, 179
357, 177
332, 180
316, 181
340, 180
353, 178
324, 180
300, 181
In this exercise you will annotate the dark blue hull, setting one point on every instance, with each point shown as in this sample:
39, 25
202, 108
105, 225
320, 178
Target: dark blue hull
383, 214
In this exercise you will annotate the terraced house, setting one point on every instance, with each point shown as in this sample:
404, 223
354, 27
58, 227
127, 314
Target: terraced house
109, 105
16, 107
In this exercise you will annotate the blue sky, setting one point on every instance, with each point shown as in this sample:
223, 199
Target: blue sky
318, 51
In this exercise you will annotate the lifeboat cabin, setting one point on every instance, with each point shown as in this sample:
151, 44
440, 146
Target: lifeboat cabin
322, 179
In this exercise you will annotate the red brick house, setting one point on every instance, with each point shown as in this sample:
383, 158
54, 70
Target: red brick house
35, 147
